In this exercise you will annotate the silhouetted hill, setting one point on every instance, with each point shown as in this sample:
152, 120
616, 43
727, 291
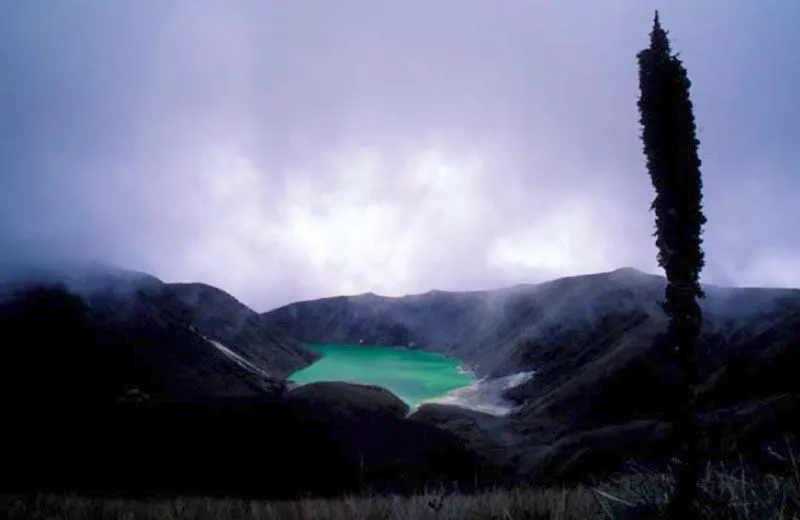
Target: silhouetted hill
114, 382
110, 331
119, 375
596, 344
222, 318
482, 328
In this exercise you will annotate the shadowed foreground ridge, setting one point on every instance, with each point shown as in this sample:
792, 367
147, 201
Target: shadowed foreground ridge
102, 390
128, 383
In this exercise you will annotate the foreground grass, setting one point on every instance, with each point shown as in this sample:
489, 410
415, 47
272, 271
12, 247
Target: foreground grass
514, 504
730, 494
726, 493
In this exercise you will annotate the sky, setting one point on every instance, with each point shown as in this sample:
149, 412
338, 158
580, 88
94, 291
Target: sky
286, 150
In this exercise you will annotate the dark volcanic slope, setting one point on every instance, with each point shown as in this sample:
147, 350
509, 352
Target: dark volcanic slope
107, 331
519, 328
484, 329
221, 317
596, 345
75, 347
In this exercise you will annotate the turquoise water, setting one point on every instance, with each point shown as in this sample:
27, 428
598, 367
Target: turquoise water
412, 375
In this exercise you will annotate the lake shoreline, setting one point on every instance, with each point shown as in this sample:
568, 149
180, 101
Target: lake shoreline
409, 374
415, 376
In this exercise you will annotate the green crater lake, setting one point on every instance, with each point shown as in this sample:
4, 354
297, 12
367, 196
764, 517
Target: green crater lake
414, 376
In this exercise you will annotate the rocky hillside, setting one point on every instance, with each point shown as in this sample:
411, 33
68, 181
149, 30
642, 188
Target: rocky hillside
98, 333
219, 316
596, 345
482, 328
193, 380
564, 323
108, 375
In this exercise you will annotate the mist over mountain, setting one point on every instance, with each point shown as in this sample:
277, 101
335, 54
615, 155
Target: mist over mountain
252, 157
131, 330
596, 346
105, 344
497, 332
124, 376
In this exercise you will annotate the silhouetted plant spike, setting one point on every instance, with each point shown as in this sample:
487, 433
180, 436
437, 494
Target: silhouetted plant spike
670, 147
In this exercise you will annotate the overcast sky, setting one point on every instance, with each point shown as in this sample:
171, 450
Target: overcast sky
286, 150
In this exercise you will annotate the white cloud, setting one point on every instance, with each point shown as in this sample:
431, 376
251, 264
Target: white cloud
357, 237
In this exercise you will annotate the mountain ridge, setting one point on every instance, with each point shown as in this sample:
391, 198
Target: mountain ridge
626, 272
596, 344
202, 362
466, 325
152, 336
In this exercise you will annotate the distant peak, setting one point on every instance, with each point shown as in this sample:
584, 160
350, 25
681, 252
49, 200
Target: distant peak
369, 294
629, 271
